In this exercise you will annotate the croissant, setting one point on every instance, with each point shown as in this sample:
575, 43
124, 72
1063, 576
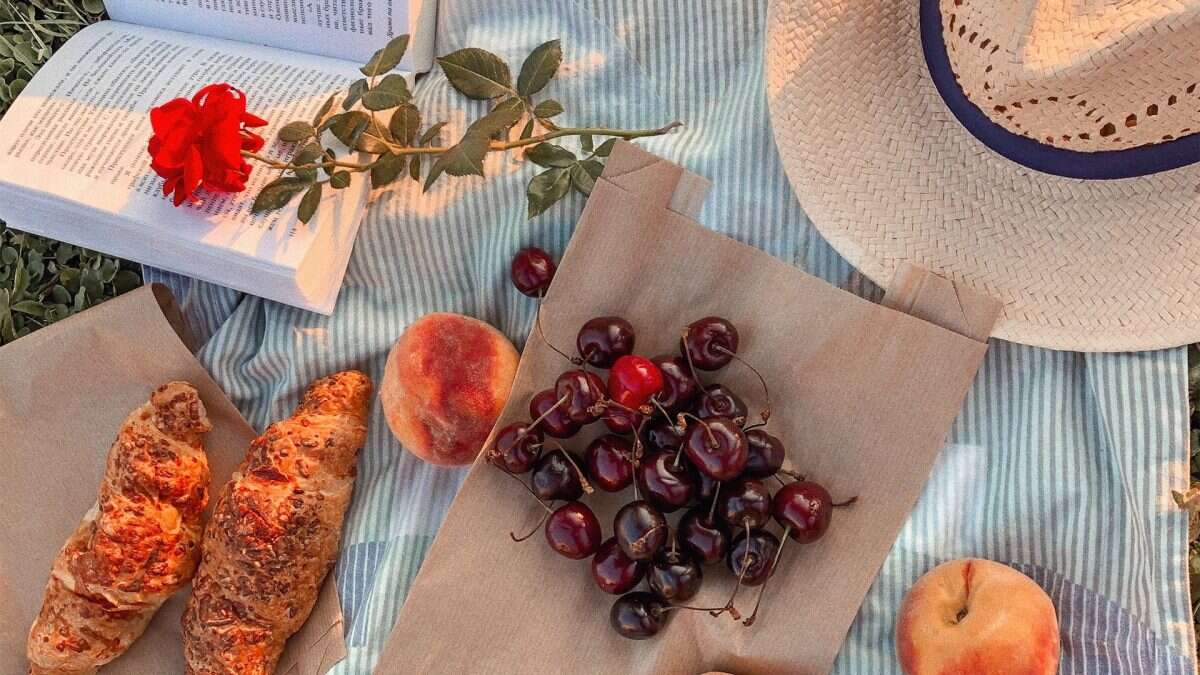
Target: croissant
274, 532
136, 546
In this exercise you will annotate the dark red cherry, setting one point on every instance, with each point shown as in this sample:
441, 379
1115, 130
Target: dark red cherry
663, 436
708, 340
615, 572
675, 575
532, 271
605, 339
666, 484
745, 502
556, 422
638, 615
573, 531
585, 390
516, 448
679, 388
755, 554
804, 508
622, 421
633, 380
706, 489
716, 446
765, 457
555, 477
640, 530
717, 399
610, 462
704, 537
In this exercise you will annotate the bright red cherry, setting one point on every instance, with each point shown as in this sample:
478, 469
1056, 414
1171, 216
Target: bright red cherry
632, 380
573, 531
804, 508
532, 271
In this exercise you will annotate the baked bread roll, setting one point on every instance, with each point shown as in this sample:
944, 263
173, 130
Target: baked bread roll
136, 546
274, 532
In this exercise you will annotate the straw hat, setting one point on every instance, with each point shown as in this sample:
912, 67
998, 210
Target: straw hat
1042, 151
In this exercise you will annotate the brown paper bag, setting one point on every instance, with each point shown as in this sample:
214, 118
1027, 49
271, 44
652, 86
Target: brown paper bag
64, 392
863, 398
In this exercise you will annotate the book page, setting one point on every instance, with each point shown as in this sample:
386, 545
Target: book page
341, 29
78, 134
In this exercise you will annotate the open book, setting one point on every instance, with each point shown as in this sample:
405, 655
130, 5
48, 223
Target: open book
73, 160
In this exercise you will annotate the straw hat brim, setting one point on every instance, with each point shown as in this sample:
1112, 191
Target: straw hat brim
887, 174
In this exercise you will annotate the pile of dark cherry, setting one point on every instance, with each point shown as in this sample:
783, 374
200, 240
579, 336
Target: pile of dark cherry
680, 444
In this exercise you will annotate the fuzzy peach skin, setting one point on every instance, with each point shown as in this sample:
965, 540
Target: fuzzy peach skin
977, 617
445, 383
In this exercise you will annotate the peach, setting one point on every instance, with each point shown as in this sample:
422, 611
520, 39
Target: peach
446, 381
977, 617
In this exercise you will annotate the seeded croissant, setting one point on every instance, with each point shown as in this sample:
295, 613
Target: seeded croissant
136, 546
274, 532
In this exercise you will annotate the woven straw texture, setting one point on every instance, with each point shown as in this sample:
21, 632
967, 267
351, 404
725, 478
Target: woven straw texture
887, 174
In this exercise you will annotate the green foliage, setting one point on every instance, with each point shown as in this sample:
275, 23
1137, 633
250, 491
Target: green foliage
41, 280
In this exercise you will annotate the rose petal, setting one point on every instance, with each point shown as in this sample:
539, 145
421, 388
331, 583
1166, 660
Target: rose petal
193, 171
171, 114
252, 120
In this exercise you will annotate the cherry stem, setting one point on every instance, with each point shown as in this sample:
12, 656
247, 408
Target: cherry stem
661, 409
712, 510
794, 475
712, 438
766, 412
537, 321
531, 492
687, 354
715, 611
741, 575
749, 621
848, 502
533, 424
776, 477
537, 527
752, 427
583, 481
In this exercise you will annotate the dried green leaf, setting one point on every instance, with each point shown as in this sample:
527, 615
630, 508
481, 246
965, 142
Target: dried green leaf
387, 58
388, 94
348, 127
550, 155
527, 131
477, 73
355, 93
307, 154
276, 194
465, 158
309, 203
585, 143
294, 132
414, 168
547, 109
30, 307
584, 175
339, 180
605, 148
546, 188
386, 169
125, 281
404, 123
324, 110
539, 68
431, 134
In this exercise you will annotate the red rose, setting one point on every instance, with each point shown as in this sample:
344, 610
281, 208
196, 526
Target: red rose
200, 142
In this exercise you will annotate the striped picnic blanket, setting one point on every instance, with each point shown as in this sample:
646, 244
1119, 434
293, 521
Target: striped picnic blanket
1060, 463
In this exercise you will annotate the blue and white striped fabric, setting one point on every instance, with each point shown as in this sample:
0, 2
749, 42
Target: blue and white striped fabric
1060, 463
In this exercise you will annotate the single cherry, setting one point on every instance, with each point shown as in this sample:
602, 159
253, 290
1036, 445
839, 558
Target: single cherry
745, 503
622, 421
663, 436
551, 415
615, 572
703, 536
610, 462
752, 557
717, 399
584, 391
573, 531
667, 483
679, 388
675, 575
532, 271
517, 447
706, 489
640, 530
556, 478
605, 339
638, 615
633, 380
765, 457
710, 342
717, 447
804, 509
